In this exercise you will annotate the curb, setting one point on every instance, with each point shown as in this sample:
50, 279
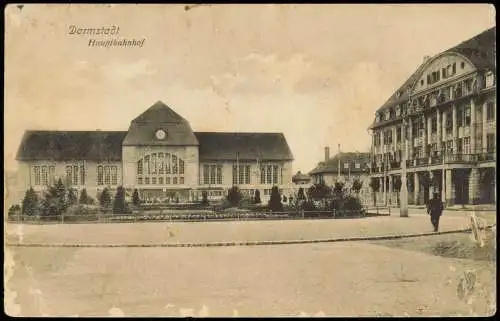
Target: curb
246, 243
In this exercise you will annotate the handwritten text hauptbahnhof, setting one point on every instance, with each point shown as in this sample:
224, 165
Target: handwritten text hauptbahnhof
106, 37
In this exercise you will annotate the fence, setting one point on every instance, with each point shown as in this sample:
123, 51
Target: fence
162, 216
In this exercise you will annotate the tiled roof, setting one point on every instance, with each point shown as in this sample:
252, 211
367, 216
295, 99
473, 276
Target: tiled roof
331, 166
248, 146
100, 145
142, 129
71, 145
300, 177
480, 50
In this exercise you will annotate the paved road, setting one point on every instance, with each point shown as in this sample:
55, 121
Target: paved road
339, 279
203, 232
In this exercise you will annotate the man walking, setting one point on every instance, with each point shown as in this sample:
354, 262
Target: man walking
435, 209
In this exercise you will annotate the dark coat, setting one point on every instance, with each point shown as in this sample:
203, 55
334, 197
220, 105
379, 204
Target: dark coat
435, 207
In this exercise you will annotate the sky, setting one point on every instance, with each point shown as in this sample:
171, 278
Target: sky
316, 73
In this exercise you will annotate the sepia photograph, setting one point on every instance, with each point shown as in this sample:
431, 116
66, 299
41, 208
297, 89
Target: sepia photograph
250, 160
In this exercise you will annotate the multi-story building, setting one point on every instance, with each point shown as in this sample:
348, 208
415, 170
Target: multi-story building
159, 155
344, 168
444, 119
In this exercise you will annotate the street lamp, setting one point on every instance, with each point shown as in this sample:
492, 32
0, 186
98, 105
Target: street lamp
403, 197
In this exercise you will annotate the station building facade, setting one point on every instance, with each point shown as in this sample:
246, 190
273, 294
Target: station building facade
444, 119
159, 155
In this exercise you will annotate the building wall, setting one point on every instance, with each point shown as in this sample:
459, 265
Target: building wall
445, 61
132, 154
465, 122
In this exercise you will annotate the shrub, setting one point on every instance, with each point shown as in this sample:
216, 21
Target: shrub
357, 185
14, 210
84, 198
136, 201
275, 204
119, 202
319, 191
72, 200
234, 196
257, 197
55, 200
301, 195
30, 203
204, 198
82, 212
105, 198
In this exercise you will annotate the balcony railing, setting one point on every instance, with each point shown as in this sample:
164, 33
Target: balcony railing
422, 161
486, 157
436, 159
460, 158
395, 165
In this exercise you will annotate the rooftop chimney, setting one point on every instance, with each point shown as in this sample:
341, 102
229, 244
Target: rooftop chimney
327, 153
426, 58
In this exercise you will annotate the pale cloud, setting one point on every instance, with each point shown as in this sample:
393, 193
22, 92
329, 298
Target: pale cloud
315, 72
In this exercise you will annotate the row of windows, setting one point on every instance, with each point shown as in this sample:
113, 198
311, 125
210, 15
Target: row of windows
160, 180
75, 175
160, 163
107, 175
418, 127
269, 174
446, 72
44, 175
241, 174
212, 174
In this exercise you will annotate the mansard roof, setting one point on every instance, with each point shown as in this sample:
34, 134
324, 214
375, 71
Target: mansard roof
71, 145
351, 158
248, 146
480, 50
102, 146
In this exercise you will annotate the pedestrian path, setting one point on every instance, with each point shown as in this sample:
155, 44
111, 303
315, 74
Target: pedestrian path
232, 233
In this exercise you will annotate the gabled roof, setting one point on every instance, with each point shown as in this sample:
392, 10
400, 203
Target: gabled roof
248, 146
142, 129
71, 145
159, 112
480, 50
100, 146
332, 165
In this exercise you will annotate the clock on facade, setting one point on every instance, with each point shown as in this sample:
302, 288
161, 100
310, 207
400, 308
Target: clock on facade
160, 134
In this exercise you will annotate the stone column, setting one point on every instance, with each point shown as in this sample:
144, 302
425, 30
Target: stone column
472, 126
450, 189
455, 130
416, 189
484, 120
409, 145
382, 179
439, 131
426, 138
473, 185
390, 189
443, 186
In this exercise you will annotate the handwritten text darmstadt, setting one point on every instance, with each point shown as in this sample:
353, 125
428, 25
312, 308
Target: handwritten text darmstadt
105, 37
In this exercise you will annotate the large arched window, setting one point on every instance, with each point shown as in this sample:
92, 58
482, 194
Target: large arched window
160, 169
